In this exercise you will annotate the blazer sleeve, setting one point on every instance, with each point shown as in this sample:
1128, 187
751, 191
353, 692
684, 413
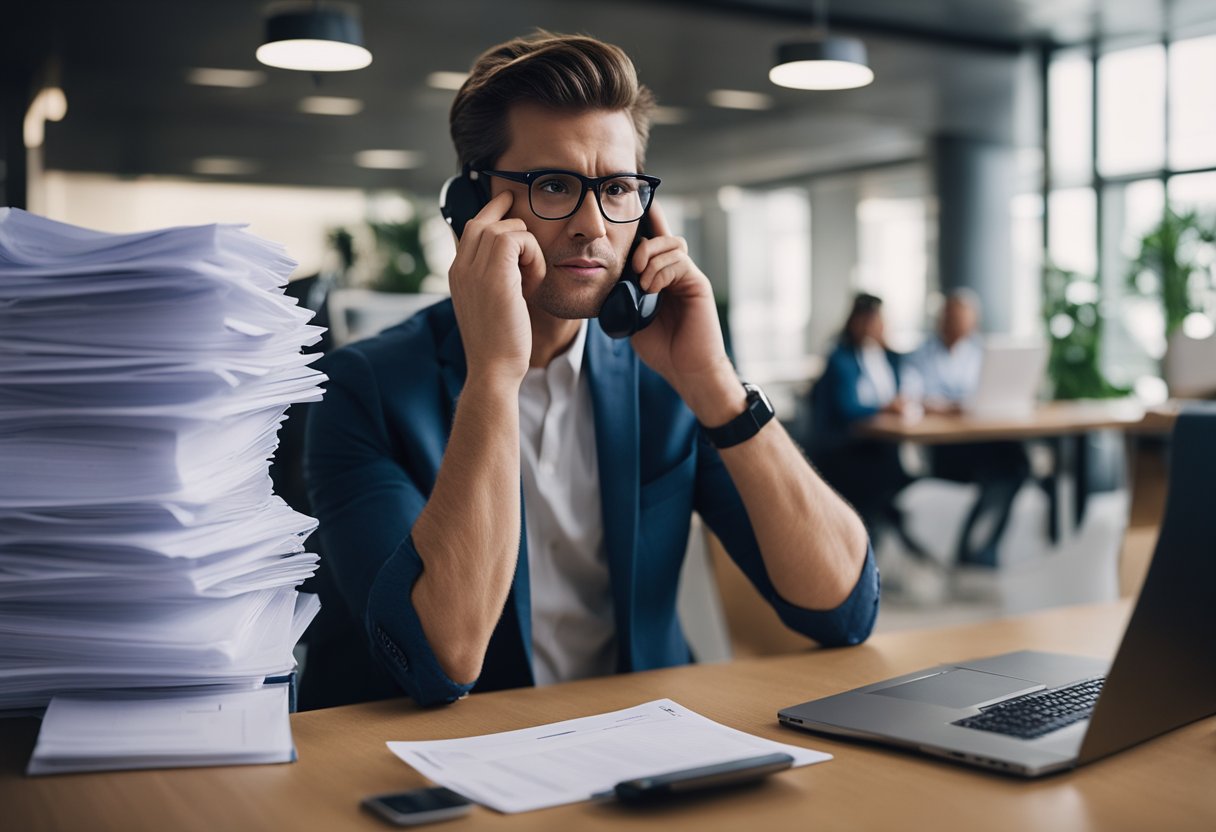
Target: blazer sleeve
721, 507
845, 376
367, 504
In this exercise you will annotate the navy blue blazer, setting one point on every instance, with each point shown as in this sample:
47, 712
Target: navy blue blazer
836, 405
373, 450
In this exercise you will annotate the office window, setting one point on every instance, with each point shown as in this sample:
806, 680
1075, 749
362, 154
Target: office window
1131, 110
1134, 335
1070, 89
892, 236
770, 277
1193, 103
1072, 230
1193, 191
1026, 211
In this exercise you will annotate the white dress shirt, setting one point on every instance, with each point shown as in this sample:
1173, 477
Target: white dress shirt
876, 386
573, 628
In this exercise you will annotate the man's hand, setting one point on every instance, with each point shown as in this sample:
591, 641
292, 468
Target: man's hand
494, 258
684, 343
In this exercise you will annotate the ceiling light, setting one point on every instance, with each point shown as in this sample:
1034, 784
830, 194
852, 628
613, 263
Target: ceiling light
314, 38
822, 61
388, 159
233, 78
223, 166
447, 80
330, 105
829, 63
740, 99
669, 115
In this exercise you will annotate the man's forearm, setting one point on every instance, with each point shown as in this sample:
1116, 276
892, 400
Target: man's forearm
468, 534
812, 542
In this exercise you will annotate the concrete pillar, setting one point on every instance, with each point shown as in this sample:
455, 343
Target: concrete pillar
833, 257
975, 181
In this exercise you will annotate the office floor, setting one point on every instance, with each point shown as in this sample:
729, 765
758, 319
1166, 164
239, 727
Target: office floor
1034, 575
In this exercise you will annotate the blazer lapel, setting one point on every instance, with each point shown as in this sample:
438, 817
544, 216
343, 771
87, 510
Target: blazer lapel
612, 369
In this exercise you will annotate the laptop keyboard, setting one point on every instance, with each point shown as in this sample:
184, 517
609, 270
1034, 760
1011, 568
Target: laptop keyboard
1036, 714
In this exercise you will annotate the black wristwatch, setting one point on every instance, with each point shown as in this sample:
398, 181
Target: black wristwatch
747, 424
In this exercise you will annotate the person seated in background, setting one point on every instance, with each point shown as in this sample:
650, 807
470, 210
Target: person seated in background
948, 365
861, 379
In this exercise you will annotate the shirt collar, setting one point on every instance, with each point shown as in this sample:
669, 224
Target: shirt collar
574, 355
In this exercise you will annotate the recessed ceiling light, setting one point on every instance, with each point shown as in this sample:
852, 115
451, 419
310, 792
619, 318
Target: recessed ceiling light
223, 166
740, 99
670, 115
447, 80
388, 159
330, 105
234, 78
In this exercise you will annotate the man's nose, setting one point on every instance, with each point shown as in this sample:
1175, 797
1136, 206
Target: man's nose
587, 221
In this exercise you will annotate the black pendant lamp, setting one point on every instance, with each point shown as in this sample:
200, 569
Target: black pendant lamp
314, 38
823, 61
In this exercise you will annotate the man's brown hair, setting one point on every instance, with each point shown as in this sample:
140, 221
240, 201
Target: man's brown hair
562, 72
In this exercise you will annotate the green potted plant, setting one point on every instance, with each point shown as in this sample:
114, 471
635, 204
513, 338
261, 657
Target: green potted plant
1174, 263
400, 249
1074, 329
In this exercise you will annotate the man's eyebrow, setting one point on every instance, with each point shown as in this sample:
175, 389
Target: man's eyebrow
623, 172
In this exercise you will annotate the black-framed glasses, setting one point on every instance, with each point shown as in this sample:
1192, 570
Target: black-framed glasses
556, 194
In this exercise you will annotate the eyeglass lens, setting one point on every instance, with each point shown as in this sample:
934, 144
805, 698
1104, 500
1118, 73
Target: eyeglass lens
555, 196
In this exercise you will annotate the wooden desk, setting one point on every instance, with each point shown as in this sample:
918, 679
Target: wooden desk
1165, 784
1051, 419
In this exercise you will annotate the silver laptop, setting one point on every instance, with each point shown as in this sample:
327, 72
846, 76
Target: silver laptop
1032, 713
1010, 376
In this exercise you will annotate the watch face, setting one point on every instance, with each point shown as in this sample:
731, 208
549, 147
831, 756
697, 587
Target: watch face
755, 393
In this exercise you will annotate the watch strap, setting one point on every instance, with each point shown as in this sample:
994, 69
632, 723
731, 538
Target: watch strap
758, 413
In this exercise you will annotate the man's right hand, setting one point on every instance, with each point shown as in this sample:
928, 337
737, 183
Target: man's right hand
495, 256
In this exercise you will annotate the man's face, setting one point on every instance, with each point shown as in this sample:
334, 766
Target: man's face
584, 253
958, 321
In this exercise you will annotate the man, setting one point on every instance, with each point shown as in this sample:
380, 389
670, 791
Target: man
949, 367
417, 454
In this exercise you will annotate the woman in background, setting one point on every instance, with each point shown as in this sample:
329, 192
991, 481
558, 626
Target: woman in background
862, 378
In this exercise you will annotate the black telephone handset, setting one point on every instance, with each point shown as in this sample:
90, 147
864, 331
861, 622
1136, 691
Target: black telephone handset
626, 310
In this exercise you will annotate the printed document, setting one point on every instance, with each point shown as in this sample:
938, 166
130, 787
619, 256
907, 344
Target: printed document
565, 762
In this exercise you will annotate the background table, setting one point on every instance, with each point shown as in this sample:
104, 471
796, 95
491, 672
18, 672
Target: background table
1046, 420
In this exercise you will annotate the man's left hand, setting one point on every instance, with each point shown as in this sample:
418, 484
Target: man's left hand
684, 343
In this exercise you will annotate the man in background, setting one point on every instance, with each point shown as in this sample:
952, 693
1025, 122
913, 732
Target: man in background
948, 364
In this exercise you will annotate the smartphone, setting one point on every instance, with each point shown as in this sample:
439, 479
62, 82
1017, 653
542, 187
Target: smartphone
625, 311
417, 806
733, 773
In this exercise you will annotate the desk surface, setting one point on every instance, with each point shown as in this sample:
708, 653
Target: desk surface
1051, 419
1167, 783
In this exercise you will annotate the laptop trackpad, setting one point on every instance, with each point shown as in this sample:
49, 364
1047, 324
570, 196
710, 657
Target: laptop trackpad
959, 688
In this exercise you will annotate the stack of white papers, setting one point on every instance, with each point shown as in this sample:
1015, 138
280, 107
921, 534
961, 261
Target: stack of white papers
143, 379
121, 731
